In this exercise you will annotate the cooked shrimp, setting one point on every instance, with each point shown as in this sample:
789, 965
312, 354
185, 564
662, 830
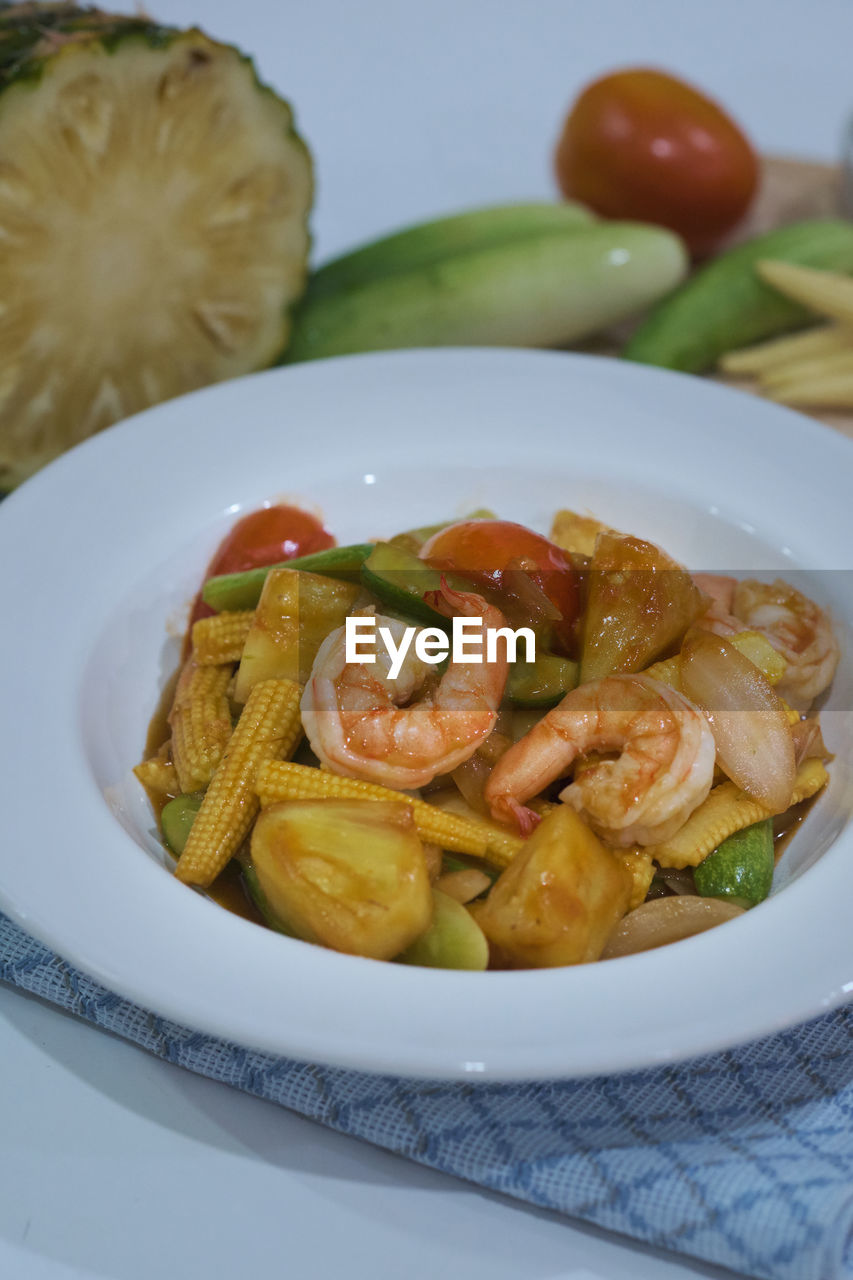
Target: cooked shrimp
363, 724
718, 617
798, 629
664, 771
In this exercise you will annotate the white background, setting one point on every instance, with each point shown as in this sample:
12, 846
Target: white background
117, 1165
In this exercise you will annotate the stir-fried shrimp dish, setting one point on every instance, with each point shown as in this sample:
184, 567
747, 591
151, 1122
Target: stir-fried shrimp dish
471, 746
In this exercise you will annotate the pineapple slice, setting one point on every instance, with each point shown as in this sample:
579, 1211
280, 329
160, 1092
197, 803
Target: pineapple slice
295, 613
153, 237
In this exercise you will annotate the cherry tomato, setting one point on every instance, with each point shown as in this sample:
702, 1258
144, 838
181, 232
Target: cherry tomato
264, 537
641, 144
483, 550
267, 536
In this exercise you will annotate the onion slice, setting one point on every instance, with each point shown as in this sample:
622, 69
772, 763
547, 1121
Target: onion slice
808, 741
747, 718
665, 920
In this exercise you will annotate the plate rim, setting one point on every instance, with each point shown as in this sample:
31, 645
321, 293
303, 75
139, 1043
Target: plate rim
446, 1065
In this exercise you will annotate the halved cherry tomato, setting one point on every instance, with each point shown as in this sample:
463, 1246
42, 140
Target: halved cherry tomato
642, 144
485, 550
267, 536
264, 537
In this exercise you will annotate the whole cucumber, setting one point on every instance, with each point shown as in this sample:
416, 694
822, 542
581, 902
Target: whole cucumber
725, 305
419, 245
541, 291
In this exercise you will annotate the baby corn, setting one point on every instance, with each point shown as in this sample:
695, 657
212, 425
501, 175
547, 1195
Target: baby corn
638, 863
201, 723
268, 729
726, 810
812, 369
780, 353
221, 638
159, 775
826, 292
278, 782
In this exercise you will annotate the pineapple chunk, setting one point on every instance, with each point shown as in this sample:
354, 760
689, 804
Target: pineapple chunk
559, 900
640, 603
348, 874
295, 613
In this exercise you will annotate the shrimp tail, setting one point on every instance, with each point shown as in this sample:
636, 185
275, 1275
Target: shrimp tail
448, 601
528, 819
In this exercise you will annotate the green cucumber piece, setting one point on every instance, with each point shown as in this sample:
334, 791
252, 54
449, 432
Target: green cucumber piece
453, 940
399, 580
741, 868
450, 863
726, 305
243, 590
542, 683
427, 242
177, 818
261, 901
542, 291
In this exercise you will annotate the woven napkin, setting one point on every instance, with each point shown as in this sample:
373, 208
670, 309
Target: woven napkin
743, 1159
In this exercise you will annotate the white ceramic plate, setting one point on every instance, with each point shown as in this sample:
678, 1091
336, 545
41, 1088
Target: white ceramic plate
102, 551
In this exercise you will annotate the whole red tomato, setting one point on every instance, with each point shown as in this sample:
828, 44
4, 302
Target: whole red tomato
641, 144
484, 550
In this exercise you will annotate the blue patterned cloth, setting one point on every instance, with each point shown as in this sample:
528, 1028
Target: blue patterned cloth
743, 1158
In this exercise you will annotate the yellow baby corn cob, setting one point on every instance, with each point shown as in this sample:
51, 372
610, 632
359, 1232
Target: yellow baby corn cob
159, 775
815, 370
201, 723
827, 391
727, 809
769, 357
268, 729
279, 782
825, 292
638, 863
221, 638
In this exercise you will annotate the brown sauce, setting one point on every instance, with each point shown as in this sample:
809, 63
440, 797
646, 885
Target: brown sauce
786, 825
158, 730
230, 892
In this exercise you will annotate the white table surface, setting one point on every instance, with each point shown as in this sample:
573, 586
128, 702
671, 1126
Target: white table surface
117, 1165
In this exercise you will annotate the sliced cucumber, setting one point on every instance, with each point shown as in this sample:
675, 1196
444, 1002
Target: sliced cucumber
453, 940
177, 818
542, 683
399, 580
243, 590
261, 901
741, 869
